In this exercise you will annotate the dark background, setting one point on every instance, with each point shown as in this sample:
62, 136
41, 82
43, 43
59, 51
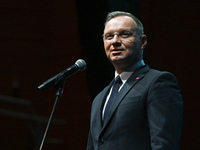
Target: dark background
40, 38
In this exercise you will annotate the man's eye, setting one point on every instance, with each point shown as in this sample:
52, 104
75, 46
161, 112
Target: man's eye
125, 34
109, 36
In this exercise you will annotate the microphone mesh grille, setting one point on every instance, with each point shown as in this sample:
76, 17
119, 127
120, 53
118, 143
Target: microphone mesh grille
81, 64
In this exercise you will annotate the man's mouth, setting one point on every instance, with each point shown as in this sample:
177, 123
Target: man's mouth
116, 51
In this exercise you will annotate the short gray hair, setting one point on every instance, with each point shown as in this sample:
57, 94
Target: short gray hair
114, 14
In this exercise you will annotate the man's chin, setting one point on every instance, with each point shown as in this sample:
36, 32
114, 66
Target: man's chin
116, 59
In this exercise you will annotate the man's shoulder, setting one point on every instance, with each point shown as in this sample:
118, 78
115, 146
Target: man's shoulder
154, 73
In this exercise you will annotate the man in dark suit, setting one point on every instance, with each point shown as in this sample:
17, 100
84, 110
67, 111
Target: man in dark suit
145, 112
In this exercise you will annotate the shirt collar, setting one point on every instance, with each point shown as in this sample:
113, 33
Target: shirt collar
126, 74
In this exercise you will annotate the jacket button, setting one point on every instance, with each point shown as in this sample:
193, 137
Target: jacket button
101, 141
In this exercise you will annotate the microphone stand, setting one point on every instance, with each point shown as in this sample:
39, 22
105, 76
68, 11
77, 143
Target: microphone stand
59, 86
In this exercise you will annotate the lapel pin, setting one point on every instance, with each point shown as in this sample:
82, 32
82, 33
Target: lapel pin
137, 78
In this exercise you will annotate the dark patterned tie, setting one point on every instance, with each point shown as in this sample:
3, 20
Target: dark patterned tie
114, 92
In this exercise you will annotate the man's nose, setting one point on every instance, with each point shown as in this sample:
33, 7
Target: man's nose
116, 40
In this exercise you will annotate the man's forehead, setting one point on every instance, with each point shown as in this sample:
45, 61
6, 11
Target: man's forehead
120, 22
122, 18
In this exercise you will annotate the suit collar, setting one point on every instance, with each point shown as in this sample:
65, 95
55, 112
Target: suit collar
96, 118
134, 78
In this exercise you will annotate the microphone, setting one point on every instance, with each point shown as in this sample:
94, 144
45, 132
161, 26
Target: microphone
79, 65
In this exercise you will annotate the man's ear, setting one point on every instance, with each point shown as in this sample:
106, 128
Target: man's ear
143, 41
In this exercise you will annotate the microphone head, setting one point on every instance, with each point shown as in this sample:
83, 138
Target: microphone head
81, 64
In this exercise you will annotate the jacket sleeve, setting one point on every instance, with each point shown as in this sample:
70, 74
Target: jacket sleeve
164, 111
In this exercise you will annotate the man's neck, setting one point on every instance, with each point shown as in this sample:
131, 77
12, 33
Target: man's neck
131, 68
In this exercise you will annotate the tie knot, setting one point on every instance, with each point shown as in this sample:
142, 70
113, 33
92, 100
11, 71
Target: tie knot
118, 80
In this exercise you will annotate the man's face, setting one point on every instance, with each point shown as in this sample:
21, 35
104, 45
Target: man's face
121, 42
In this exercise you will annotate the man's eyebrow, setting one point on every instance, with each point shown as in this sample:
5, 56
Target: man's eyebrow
125, 30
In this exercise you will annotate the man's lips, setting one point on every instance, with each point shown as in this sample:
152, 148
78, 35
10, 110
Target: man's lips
116, 51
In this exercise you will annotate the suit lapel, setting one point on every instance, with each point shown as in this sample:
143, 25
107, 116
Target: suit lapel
96, 118
135, 77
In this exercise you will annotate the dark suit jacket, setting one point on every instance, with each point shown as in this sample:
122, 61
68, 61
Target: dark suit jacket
145, 115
